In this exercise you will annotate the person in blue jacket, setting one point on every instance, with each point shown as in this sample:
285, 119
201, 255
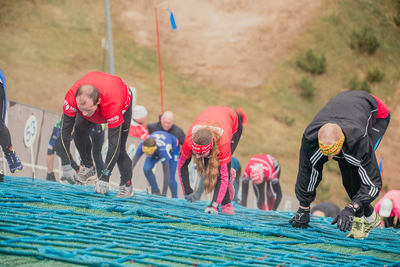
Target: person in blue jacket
164, 147
5, 138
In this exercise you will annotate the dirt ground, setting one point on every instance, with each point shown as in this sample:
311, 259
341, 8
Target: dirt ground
235, 45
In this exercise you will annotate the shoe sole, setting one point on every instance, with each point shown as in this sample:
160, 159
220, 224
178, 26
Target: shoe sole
124, 196
16, 170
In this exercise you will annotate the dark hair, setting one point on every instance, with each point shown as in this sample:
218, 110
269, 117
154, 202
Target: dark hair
149, 142
88, 91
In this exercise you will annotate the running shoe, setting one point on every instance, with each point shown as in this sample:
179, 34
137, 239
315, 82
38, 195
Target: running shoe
87, 173
14, 162
125, 191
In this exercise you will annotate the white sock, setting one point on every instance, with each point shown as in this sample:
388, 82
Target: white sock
371, 218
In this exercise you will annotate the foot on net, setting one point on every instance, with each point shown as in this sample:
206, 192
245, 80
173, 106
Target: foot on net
369, 226
87, 173
14, 162
357, 229
228, 209
156, 192
50, 177
125, 191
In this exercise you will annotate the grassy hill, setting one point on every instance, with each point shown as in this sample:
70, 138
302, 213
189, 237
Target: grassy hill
47, 45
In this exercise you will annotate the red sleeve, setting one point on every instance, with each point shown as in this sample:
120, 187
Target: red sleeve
245, 119
186, 152
70, 107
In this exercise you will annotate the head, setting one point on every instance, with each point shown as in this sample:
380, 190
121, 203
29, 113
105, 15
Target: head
167, 120
206, 145
386, 208
330, 139
202, 142
319, 213
149, 146
87, 99
239, 111
257, 175
139, 114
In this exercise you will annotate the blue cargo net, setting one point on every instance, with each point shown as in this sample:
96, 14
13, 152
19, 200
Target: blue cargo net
153, 231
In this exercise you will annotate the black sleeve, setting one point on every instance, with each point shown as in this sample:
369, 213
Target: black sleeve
278, 192
310, 171
180, 136
152, 127
114, 147
184, 175
245, 191
66, 127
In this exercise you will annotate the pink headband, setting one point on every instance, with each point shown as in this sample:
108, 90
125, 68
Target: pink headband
202, 149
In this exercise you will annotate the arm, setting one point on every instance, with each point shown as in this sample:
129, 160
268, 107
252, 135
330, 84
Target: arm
138, 154
66, 127
224, 183
277, 189
114, 146
167, 175
310, 172
183, 172
50, 163
245, 191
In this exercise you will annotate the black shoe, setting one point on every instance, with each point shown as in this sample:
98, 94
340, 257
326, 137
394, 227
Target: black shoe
156, 192
1, 176
51, 177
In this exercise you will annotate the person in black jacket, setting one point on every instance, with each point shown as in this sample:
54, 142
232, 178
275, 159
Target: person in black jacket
348, 129
166, 124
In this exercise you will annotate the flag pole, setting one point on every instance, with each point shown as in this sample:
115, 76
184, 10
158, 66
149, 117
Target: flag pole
159, 59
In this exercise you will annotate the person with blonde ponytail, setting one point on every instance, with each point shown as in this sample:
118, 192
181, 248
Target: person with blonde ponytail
211, 141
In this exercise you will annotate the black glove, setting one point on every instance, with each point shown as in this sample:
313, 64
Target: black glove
301, 219
345, 219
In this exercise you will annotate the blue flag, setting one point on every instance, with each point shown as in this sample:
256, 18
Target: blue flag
171, 18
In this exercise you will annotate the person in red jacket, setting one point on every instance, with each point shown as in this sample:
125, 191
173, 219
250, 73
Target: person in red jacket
139, 117
388, 208
264, 172
211, 140
97, 98
243, 115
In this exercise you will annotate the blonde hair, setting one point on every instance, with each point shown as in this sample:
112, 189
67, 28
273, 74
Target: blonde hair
202, 137
329, 133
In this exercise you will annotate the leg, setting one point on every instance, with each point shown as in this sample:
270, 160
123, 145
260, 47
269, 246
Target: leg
270, 196
172, 168
148, 172
124, 162
5, 137
98, 141
82, 140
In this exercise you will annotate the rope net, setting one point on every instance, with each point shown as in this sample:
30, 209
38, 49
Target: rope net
72, 224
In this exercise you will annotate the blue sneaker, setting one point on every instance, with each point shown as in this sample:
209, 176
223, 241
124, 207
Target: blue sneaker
14, 162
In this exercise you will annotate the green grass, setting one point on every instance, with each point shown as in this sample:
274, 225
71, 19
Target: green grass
47, 45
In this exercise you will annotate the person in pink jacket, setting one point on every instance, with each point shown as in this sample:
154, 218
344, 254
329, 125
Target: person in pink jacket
388, 208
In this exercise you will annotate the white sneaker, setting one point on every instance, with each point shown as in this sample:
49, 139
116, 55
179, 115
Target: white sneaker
125, 191
87, 174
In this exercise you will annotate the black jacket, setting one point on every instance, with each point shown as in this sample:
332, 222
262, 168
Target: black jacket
355, 112
175, 131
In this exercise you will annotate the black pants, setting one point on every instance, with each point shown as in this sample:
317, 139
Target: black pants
84, 144
350, 178
5, 137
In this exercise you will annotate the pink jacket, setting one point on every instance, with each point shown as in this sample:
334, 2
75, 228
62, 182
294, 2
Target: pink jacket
394, 195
